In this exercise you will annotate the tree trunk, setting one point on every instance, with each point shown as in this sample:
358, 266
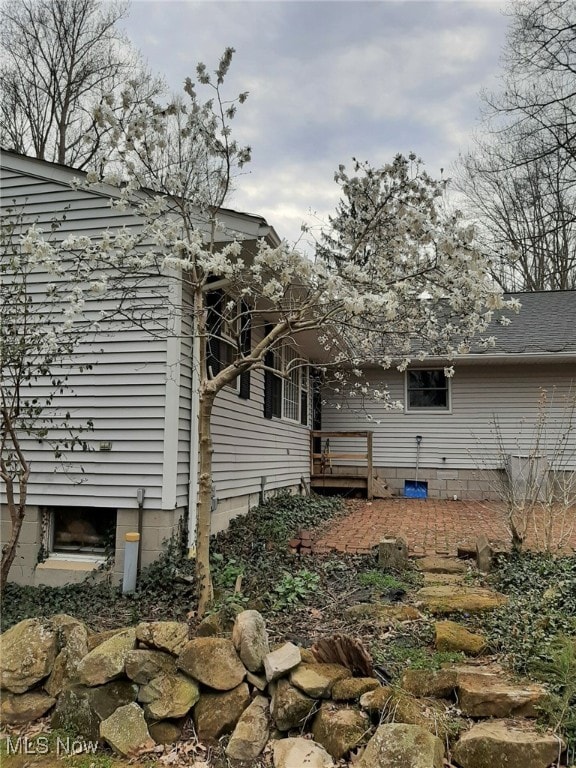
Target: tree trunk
204, 518
17, 514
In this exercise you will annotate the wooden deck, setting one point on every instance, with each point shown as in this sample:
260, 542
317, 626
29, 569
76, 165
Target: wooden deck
326, 472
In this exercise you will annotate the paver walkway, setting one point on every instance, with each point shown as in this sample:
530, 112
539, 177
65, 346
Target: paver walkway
427, 525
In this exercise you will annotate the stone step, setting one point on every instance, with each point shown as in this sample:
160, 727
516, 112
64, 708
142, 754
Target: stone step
489, 695
431, 579
480, 690
436, 564
443, 599
498, 742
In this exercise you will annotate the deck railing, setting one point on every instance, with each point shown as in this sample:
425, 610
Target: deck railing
322, 462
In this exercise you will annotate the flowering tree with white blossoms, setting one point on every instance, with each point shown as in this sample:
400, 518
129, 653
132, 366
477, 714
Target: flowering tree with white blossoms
41, 326
392, 275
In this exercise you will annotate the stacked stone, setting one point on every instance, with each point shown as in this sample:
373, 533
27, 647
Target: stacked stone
134, 689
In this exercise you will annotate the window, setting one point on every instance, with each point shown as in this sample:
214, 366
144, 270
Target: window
80, 530
286, 396
291, 393
230, 331
427, 390
229, 336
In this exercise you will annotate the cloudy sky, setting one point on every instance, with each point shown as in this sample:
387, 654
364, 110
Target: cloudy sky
329, 81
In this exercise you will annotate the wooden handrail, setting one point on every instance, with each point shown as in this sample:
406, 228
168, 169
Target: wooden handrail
322, 433
331, 455
327, 456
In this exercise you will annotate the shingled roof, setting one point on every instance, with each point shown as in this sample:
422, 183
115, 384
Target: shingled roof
546, 324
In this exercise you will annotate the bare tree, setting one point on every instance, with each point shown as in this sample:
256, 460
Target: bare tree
520, 181
526, 215
539, 79
60, 59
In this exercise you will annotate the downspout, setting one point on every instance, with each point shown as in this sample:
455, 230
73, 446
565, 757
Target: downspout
194, 413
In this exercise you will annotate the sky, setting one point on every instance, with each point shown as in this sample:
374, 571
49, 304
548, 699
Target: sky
328, 81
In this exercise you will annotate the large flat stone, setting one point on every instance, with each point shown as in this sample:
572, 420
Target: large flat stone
436, 579
485, 695
444, 599
433, 564
451, 636
384, 615
496, 743
439, 683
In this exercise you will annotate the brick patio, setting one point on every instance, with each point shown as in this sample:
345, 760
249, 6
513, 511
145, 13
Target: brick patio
428, 526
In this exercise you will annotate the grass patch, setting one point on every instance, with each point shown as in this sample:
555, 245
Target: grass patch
412, 651
383, 582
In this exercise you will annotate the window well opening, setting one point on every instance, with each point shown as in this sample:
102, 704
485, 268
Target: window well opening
81, 530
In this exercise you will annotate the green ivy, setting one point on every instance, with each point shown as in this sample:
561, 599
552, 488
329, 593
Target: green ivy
293, 589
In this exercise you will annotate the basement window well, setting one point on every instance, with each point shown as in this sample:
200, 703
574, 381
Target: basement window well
80, 531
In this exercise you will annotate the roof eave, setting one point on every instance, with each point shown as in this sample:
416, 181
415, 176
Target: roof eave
506, 357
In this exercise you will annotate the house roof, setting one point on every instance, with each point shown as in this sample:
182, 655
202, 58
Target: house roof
247, 224
545, 325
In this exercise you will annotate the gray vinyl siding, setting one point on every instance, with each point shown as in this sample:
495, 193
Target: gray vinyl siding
248, 447
124, 394
465, 436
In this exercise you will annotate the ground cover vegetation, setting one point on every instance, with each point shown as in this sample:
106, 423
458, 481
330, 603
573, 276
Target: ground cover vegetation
535, 633
305, 599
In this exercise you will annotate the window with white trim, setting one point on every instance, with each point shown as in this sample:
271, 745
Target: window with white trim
286, 396
291, 393
427, 389
80, 531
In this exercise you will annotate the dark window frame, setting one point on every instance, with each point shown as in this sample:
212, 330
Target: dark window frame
437, 393
276, 386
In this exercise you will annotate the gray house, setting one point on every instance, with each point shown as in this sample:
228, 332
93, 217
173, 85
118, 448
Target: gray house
450, 434
140, 470
140, 473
